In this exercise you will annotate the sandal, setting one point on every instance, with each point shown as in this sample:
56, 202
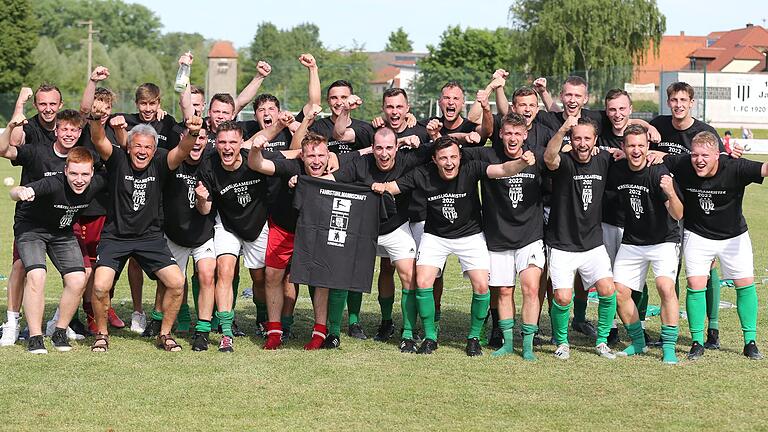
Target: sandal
168, 343
100, 344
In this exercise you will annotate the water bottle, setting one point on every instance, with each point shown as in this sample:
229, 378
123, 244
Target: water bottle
182, 78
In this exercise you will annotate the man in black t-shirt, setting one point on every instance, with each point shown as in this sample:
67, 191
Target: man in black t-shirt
714, 227
451, 122
133, 226
147, 105
677, 131
395, 239
313, 161
514, 228
38, 160
239, 196
647, 199
453, 226
43, 223
574, 233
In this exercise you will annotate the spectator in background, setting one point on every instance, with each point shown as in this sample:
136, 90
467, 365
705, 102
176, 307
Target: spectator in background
746, 133
727, 141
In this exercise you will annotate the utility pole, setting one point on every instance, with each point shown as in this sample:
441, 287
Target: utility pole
91, 32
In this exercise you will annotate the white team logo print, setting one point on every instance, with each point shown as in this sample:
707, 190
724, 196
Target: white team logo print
516, 195
337, 232
243, 198
706, 204
586, 196
637, 206
191, 196
449, 212
66, 220
139, 196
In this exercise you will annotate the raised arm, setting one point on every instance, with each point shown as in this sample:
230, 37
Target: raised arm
100, 73
98, 134
496, 85
310, 113
177, 155
540, 85
17, 136
256, 160
510, 168
252, 89
341, 129
552, 153
6, 149
486, 127
313, 90
22, 193
673, 204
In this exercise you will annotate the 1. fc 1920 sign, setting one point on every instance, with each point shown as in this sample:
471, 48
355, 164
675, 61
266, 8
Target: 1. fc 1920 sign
749, 97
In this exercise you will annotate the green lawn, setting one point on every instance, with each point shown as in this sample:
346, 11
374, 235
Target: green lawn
371, 386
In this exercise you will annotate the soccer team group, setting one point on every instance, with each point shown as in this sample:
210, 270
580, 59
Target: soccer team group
569, 199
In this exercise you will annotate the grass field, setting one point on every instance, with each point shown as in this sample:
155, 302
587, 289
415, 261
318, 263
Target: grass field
371, 386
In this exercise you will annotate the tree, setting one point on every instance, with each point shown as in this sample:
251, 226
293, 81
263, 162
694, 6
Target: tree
19, 38
601, 38
468, 56
399, 42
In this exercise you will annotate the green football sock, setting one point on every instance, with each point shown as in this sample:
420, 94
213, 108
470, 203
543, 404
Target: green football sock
425, 302
337, 299
261, 311
713, 299
479, 312
635, 332
507, 327
559, 317
235, 289
386, 304
354, 302
286, 321
226, 318
640, 298
668, 342
696, 307
606, 310
196, 293
579, 309
410, 312
746, 307
183, 320
156, 315
529, 331
203, 326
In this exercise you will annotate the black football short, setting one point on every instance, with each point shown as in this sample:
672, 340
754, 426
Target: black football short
151, 252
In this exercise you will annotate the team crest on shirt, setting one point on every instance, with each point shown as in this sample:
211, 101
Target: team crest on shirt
66, 220
243, 198
449, 212
191, 196
139, 197
586, 196
516, 194
706, 204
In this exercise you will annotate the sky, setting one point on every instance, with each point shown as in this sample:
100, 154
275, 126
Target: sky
345, 23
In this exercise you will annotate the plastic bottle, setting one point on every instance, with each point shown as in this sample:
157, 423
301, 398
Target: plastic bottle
182, 78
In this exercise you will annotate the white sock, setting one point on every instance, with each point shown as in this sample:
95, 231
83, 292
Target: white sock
13, 317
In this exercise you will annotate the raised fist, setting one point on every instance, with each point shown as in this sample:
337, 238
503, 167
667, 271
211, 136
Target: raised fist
529, 158
194, 124
308, 60
472, 138
540, 85
100, 73
186, 58
263, 68
118, 122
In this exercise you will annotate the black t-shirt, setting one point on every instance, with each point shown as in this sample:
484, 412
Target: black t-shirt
675, 141
324, 126
512, 208
135, 208
418, 130
281, 210
713, 205
35, 133
538, 135
100, 203
38, 161
611, 214
364, 170
55, 206
577, 203
336, 234
640, 202
281, 142
240, 196
555, 120
168, 131
453, 207
464, 127
183, 224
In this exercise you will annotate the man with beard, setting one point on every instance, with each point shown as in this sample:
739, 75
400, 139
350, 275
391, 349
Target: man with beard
134, 220
716, 228
650, 206
453, 226
452, 122
574, 232
514, 228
